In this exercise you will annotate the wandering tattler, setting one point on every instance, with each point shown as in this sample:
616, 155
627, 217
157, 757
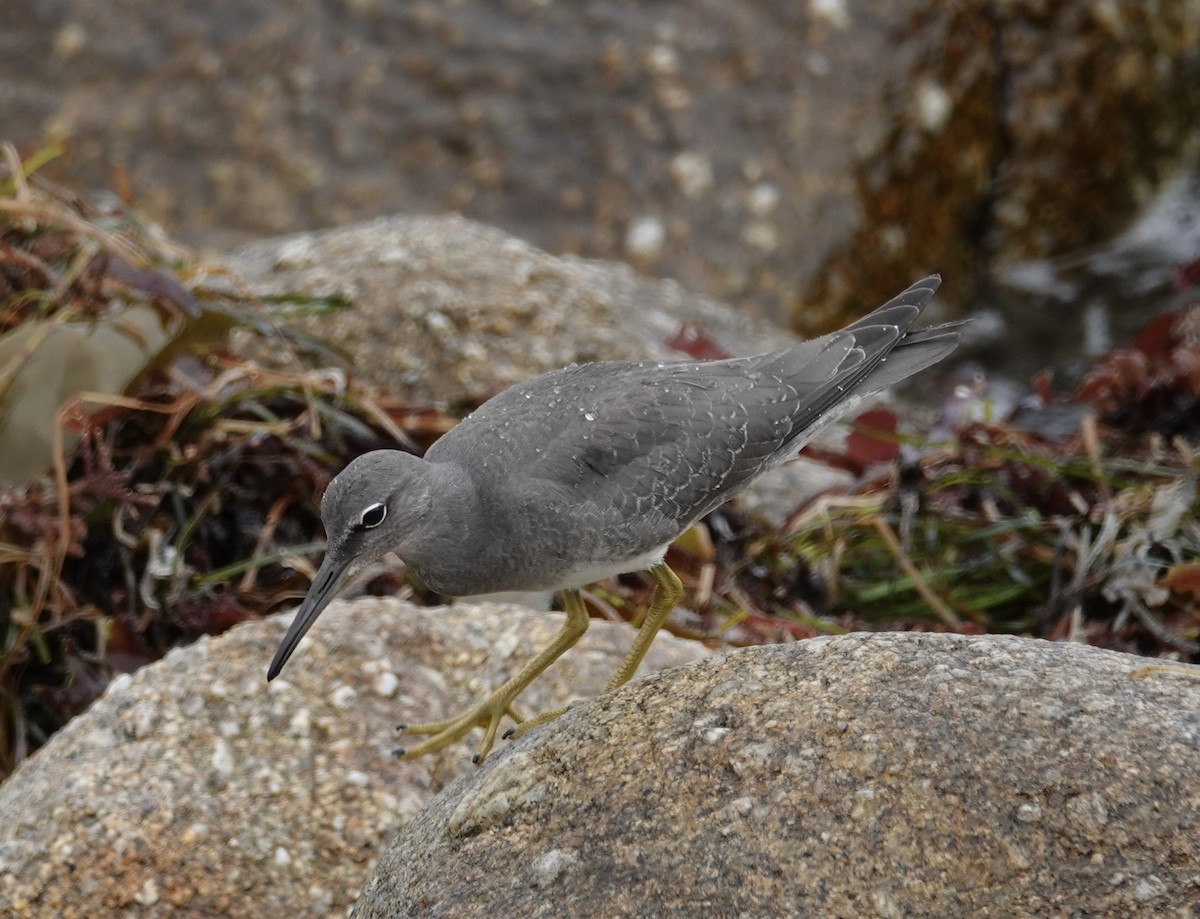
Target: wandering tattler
593, 471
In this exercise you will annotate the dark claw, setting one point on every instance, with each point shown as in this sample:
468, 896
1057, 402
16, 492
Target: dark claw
398, 752
475, 760
401, 727
507, 734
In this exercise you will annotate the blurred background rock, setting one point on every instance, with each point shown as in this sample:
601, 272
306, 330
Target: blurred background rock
801, 160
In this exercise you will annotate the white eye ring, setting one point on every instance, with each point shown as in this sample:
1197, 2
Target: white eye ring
373, 516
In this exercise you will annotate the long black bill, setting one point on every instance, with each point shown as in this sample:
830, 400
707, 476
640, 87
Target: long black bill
324, 587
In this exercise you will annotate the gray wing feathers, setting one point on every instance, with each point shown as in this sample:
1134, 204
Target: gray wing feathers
706, 428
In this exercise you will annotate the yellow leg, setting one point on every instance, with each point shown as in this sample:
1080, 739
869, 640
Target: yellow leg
1138, 672
667, 592
575, 607
487, 714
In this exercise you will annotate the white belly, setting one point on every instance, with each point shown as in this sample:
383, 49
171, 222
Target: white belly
598, 571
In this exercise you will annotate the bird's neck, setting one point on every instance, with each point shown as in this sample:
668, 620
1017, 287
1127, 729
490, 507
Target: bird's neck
452, 528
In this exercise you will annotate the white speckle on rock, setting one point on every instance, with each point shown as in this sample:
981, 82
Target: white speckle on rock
662, 61
148, 895
181, 654
301, 723
886, 905
229, 728
831, 12
1029, 812
802, 762
196, 833
1018, 856
295, 253
693, 173
118, 684
549, 866
764, 198
142, 719
385, 684
438, 322
750, 758
863, 805
893, 238
394, 255
761, 235
283, 857
319, 899
70, 40
714, 734
357, 778
933, 105
278, 686
645, 237
472, 350
222, 758
343, 696
1148, 888
506, 644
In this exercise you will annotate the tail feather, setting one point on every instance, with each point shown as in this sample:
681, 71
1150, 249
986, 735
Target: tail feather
912, 354
875, 352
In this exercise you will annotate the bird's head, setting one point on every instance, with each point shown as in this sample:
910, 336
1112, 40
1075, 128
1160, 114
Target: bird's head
371, 507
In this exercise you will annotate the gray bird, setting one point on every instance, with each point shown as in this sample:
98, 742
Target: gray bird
592, 471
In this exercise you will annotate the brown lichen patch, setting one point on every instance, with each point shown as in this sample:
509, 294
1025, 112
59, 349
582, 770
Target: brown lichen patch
1028, 130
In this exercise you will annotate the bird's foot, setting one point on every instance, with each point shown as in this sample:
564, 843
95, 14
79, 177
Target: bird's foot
525, 724
1138, 672
440, 734
487, 714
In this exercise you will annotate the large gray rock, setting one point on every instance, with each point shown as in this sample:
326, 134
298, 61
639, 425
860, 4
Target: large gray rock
194, 788
866, 775
446, 309
772, 152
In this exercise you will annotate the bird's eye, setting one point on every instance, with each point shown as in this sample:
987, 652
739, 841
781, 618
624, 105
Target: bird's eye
372, 516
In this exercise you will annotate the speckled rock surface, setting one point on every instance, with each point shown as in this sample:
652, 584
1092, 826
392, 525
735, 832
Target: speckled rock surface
865, 775
194, 788
453, 311
779, 154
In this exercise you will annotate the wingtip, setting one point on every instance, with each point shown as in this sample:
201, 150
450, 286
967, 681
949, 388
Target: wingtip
903, 309
931, 283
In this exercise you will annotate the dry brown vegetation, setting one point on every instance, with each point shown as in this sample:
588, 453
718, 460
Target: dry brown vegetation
186, 501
